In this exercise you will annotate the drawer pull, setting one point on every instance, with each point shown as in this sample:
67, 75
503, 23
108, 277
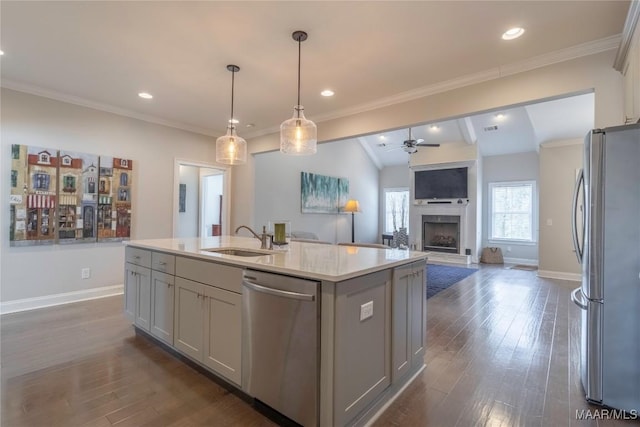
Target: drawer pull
162, 263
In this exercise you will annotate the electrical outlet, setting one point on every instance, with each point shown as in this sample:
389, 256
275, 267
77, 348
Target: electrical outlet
366, 310
85, 273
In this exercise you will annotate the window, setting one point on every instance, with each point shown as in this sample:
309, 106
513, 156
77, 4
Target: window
41, 181
15, 151
512, 211
43, 157
69, 183
396, 209
124, 179
66, 161
14, 178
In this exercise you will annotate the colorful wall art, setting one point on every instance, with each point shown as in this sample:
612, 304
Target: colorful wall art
59, 196
323, 194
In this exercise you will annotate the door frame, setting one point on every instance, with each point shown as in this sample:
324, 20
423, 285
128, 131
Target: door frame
226, 186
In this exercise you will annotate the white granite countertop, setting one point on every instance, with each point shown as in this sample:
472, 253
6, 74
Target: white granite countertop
312, 260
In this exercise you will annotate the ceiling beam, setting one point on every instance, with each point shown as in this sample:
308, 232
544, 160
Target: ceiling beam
467, 130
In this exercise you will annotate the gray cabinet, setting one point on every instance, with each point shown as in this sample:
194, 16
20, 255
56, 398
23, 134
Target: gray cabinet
143, 297
137, 284
409, 319
207, 318
189, 317
162, 302
222, 332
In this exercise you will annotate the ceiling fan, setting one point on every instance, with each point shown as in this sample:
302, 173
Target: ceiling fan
411, 145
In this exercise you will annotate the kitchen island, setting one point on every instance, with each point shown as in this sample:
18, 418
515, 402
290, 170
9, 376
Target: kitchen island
325, 334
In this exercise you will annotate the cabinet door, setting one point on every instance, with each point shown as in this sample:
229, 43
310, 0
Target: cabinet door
130, 291
189, 317
222, 339
143, 298
418, 312
401, 342
162, 286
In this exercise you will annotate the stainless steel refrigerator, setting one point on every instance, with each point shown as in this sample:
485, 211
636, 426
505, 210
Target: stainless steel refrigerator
606, 234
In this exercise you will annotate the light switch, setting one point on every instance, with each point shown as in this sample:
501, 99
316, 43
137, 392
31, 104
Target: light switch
366, 310
549, 221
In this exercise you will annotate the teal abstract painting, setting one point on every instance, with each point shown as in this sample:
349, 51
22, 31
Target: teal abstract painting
323, 194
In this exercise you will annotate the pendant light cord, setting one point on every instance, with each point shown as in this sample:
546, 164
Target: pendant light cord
233, 75
299, 54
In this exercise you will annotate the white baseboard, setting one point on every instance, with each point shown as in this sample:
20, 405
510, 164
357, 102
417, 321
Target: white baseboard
59, 299
520, 261
575, 277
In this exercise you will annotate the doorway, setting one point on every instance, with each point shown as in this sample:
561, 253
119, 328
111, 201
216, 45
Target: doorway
201, 203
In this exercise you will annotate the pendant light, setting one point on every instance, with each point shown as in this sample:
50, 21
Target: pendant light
231, 149
298, 136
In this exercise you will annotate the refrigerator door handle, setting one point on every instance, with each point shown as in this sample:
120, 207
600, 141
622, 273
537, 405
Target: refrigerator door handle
578, 299
574, 224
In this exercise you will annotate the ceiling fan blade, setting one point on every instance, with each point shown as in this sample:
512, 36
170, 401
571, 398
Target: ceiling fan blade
420, 144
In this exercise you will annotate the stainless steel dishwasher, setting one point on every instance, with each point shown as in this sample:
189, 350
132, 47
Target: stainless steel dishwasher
280, 325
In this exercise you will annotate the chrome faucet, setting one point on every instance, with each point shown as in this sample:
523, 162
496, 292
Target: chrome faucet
264, 237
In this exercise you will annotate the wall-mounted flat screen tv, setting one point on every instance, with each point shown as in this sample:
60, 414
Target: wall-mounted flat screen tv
441, 184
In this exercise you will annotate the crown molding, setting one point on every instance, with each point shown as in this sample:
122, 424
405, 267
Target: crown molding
562, 55
630, 27
585, 49
58, 96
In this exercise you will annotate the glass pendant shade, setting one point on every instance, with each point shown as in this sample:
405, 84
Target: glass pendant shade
231, 149
298, 136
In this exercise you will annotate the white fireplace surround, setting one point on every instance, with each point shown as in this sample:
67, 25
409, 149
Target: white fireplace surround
443, 209
466, 209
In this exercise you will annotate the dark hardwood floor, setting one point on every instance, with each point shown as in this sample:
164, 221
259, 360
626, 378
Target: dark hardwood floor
502, 350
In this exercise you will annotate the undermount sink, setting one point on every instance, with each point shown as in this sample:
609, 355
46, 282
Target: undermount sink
237, 252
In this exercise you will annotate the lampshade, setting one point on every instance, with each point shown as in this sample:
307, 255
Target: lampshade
230, 148
298, 136
352, 206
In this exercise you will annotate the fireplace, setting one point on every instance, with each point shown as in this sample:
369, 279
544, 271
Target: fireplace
441, 233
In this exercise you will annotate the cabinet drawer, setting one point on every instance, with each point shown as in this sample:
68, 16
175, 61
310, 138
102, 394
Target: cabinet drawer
210, 273
163, 262
137, 256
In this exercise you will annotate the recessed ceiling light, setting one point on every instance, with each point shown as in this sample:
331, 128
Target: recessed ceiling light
234, 121
512, 33
327, 92
145, 95
434, 128
501, 116
382, 137
1, 52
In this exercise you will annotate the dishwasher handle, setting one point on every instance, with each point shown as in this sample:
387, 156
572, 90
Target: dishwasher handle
278, 292
578, 300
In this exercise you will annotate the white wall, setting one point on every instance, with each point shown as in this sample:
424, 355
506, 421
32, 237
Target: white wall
188, 221
559, 161
28, 272
277, 191
510, 167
